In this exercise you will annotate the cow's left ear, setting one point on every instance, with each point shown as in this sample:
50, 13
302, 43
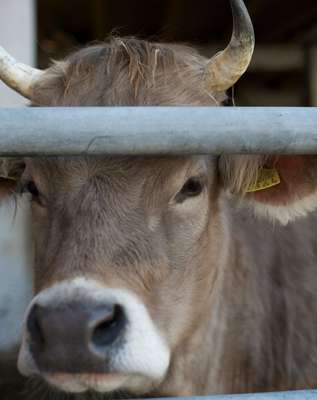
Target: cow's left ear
7, 187
280, 187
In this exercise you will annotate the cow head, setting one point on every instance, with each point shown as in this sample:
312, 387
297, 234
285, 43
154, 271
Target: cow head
128, 250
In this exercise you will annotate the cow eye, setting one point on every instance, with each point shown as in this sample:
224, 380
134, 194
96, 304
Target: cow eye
192, 188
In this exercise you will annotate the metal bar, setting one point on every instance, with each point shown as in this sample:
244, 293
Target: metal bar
157, 130
295, 395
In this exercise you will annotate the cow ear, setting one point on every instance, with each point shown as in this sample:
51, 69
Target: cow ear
7, 187
11, 170
280, 187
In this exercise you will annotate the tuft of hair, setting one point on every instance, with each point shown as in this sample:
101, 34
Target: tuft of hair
239, 172
126, 72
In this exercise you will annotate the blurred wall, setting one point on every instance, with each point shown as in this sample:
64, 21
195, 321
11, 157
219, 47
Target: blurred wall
285, 33
17, 35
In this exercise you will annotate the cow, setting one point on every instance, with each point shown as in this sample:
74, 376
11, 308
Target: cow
165, 276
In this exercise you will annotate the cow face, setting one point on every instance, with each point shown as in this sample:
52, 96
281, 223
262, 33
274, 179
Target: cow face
127, 256
123, 267
119, 267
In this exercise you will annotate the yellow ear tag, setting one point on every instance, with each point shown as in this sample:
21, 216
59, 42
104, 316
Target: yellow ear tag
267, 178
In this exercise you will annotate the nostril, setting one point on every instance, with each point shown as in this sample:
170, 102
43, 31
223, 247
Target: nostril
108, 329
34, 327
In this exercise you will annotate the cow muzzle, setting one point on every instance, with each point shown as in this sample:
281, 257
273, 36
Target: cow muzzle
75, 337
81, 336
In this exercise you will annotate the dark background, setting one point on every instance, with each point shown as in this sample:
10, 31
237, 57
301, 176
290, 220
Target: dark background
286, 34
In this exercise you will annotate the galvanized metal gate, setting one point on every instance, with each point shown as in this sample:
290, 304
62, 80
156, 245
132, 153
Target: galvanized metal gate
157, 130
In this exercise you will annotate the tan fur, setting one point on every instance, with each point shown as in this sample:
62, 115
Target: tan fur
234, 297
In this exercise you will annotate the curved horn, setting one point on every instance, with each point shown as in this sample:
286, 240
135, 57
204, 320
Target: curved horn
17, 76
226, 67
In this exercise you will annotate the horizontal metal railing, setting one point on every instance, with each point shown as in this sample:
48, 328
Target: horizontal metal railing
157, 130
295, 395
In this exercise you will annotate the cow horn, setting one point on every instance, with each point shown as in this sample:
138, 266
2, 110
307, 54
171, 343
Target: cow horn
226, 67
17, 76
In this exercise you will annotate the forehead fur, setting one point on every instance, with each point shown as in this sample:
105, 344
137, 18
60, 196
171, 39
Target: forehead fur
126, 169
126, 72
155, 179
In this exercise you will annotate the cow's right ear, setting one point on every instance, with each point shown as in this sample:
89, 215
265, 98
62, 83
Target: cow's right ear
281, 187
11, 170
7, 187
